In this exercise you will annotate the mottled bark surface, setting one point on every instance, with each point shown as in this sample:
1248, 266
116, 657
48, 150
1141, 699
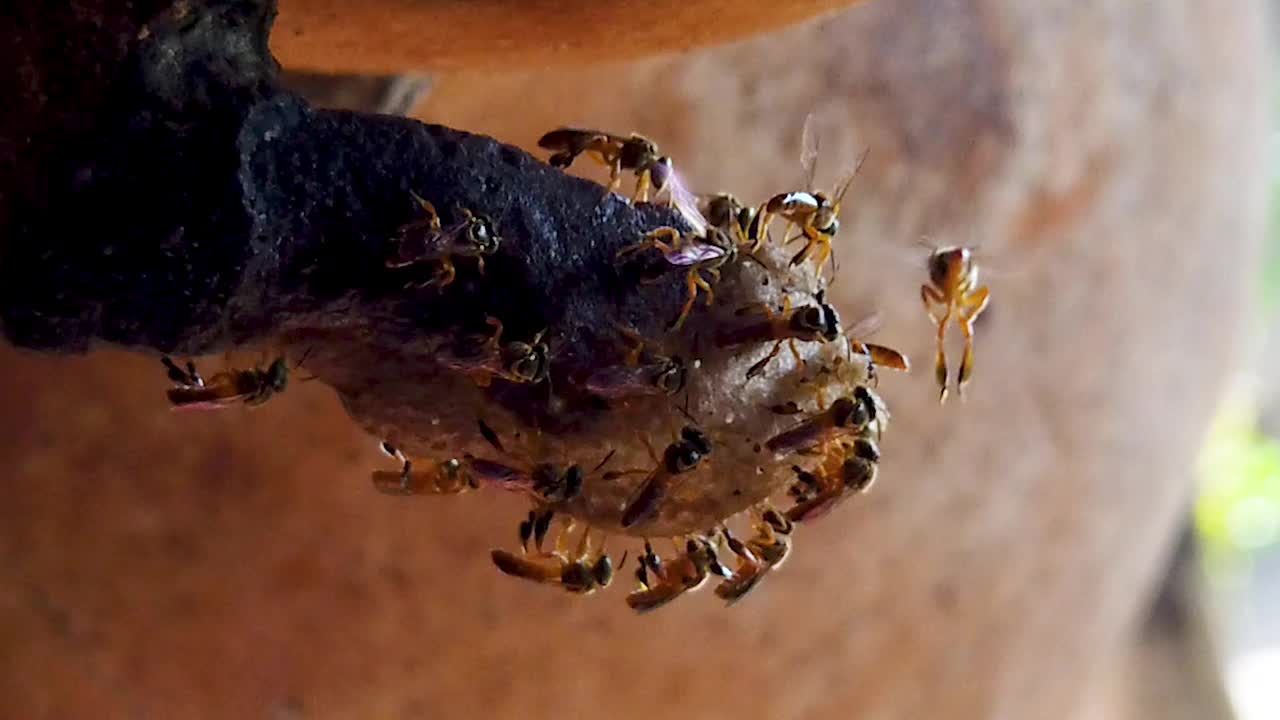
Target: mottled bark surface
1106, 156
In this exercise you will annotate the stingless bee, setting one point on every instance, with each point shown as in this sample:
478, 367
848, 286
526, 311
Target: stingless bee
642, 373
680, 457
846, 416
448, 477
425, 240
582, 572
701, 251
765, 551
859, 465
546, 482
742, 222
686, 572
807, 323
815, 213
515, 361
253, 387
634, 152
953, 291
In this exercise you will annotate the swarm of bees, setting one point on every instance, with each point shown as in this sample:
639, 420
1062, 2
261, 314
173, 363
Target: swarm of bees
820, 456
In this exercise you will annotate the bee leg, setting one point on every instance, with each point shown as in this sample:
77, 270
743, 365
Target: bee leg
495, 340
642, 187
931, 297
480, 265
692, 282
760, 365
615, 176
813, 239
975, 304
526, 531
541, 524
445, 274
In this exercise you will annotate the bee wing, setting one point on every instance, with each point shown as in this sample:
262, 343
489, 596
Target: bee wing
809, 149
686, 203
850, 175
614, 381
742, 582
694, 252
866, 327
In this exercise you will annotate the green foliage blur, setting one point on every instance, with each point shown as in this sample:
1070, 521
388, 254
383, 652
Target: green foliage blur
1238, 512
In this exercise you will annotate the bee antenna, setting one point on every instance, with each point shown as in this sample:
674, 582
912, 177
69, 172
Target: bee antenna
605, 461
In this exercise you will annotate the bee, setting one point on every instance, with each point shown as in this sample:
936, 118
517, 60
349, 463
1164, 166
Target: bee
817, 214
704, 251
582, 572
634, 152
546, 482
846, 416
807, 323
642, 373
439, 478
742, 222
687, 572
954, 293
680, 457
253, 387
765, 551
859, 465
425, 240
515, 361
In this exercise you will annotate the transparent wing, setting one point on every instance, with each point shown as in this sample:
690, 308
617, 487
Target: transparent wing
866, 327
850, 174
686, 203
694, 252
809, 148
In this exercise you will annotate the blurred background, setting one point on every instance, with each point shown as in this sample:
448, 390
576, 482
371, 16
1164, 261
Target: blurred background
1037, 552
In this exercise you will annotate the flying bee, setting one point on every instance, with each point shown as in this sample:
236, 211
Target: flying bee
858, 468
765, 551
741, 222
686, 572
426, 240
702, 252
846, 416
515, 361
807, 323
253, 387
634, 152
582, 572
954, 292
817, 214
680, 457
438, 478
642, 373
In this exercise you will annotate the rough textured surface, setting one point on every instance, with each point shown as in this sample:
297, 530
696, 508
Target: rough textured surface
213, 568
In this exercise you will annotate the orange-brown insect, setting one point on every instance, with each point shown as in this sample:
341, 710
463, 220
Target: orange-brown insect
765, 551
704, 251
515, 361
954, 294
686, 572
582, 572
642, 373
845, 416
616, 152
821, 491
425, 240
437, 478
807, 323
680, 457
253, 387
545, 482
